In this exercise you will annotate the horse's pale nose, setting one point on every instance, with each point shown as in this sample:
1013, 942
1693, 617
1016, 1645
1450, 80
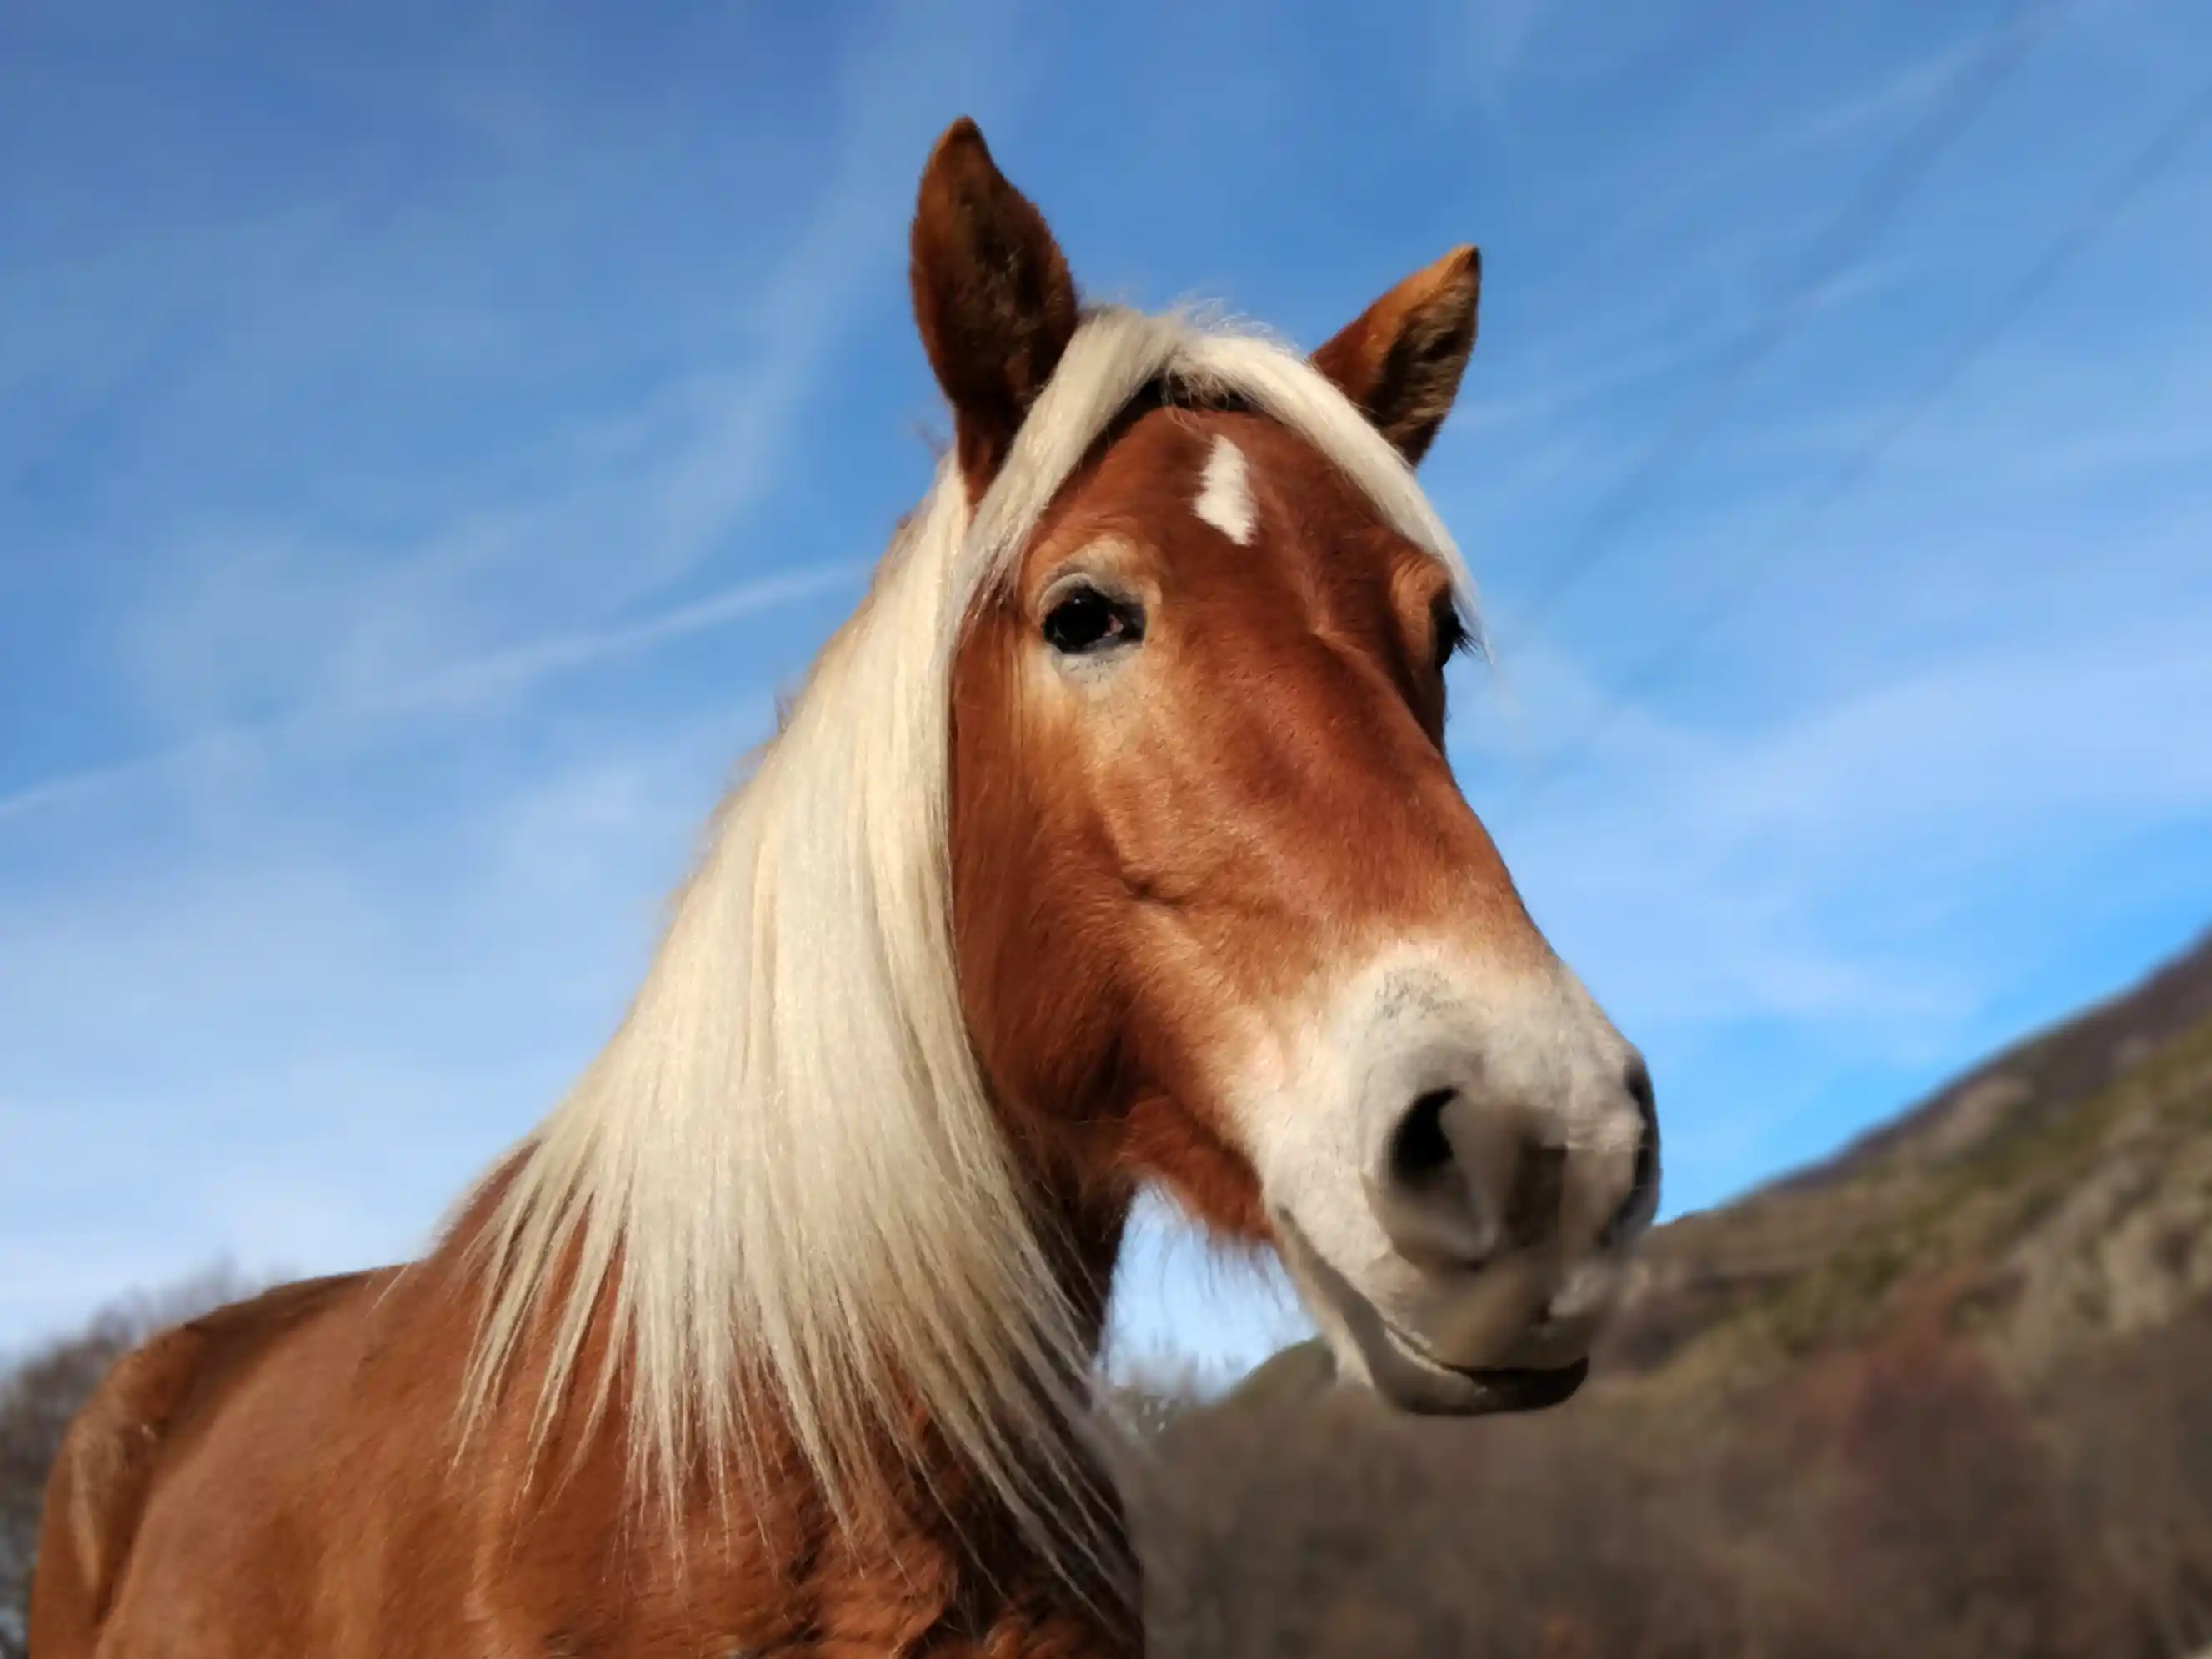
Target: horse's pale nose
1464, 1175
1462, 1223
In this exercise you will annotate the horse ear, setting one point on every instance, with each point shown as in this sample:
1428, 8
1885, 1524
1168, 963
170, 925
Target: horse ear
1401, 360
991, 297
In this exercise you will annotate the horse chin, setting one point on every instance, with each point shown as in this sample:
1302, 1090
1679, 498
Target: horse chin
1366, 1349
1414, 1382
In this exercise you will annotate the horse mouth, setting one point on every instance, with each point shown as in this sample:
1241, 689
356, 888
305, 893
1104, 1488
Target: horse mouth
1490, 1389
1397, 1365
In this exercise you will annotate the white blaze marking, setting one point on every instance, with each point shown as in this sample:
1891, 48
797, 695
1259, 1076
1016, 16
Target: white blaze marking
1225, 502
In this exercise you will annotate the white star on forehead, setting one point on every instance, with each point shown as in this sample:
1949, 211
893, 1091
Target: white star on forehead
1225, 501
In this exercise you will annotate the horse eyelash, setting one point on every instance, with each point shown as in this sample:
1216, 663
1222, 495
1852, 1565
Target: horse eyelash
1452, 637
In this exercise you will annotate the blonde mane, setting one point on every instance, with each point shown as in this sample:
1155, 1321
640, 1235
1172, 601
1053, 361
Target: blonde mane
782, 1178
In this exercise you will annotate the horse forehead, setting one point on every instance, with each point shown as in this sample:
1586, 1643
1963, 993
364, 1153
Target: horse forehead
1181, 472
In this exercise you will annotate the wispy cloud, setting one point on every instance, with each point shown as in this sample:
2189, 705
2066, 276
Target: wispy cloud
290, 1039
1477, 48
1827, 870
1841, 126
596, 505
460, 686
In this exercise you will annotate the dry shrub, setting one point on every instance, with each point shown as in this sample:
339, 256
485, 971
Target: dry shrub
1324, 1526
2135, 1421
1897, 1499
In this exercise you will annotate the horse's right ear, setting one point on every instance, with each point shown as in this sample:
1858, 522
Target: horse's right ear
991, 297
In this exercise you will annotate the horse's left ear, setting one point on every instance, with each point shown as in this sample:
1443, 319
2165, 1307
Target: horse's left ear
1401, 360
992, 296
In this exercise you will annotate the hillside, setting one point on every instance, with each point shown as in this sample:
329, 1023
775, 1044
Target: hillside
2059, 1193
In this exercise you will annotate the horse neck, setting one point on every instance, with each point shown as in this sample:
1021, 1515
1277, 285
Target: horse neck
947, 1567
932, 1550
957, 1549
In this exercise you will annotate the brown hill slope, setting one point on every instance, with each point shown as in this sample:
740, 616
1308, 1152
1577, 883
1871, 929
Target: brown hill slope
2058, 1192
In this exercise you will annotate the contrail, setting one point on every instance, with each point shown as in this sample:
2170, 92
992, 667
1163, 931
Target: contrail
513, 666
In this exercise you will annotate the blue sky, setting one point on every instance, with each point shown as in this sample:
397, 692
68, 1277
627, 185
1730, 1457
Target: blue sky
430, 436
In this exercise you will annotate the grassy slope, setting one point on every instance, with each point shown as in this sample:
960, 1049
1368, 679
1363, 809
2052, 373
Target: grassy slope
2061, 1192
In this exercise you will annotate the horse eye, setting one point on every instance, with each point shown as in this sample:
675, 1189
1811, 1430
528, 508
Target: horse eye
1450, 630
1086, 621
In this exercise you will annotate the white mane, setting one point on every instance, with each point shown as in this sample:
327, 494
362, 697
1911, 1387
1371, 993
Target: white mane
784, 1165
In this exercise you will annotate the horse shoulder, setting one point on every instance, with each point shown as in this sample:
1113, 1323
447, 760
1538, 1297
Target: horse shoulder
112, 1453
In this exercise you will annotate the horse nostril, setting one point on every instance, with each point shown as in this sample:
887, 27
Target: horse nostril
1644, 1178
1420, 1150
1428, 1191
1637, 1082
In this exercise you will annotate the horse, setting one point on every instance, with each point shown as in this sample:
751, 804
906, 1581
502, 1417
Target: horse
1110, 844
